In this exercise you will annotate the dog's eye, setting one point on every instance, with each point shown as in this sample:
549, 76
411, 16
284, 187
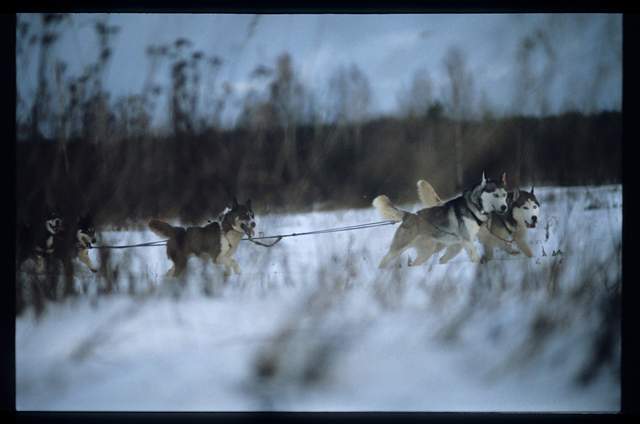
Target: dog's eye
525, 208
495, 194
535, 206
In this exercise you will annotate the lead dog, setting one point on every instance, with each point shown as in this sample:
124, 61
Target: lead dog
523, 212
455, 222
217, 241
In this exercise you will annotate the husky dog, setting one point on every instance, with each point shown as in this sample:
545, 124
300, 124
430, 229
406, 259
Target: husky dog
216, 241
456, 222
36, 243
523, 212
76, 243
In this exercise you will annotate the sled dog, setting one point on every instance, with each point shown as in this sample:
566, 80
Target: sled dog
76, 243
456, 222
36, 242
523, 212
217, 241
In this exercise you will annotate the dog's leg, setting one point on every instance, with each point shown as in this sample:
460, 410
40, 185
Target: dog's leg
391, 255
178, 257
471, 250
488, 253
177, 269
83, 255
402, 240
451, 252
522, 244
227, 262
425, 250
504, 245
40, 268
235, 266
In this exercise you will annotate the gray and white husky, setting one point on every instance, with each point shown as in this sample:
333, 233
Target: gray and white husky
455, 222
217, 241
523, 212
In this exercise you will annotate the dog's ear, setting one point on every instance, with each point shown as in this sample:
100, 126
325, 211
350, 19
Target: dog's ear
532, 187
504, 179
234, 204
484, 180
516, 194
248, 203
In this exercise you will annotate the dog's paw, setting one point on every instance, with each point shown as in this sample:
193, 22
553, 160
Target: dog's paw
474, 258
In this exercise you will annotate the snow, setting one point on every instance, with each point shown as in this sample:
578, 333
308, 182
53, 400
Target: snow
313, 325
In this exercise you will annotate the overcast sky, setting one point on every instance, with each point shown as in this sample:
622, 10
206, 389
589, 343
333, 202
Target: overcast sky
575, 60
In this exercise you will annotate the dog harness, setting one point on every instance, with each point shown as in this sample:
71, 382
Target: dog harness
505, 227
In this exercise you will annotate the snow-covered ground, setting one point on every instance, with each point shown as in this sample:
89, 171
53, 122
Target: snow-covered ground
313, 325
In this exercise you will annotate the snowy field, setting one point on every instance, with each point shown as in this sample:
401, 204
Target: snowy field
313, 325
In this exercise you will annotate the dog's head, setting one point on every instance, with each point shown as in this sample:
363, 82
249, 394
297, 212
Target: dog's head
493, 195
85, 233
243, 219
526, 208
53, 222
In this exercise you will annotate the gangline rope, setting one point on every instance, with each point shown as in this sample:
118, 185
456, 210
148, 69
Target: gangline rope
278, 237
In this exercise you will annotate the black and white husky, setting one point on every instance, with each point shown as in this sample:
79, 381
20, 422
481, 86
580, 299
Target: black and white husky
455, 222
37, 242
217, 241
75, 243
501, 230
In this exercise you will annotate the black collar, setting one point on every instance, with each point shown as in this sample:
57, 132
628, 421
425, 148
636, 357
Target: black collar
475, 217
480, 210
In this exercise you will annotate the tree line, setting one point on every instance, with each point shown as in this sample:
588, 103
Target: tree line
192, 177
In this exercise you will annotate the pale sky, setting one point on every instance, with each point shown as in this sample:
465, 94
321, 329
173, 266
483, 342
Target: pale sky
576, 60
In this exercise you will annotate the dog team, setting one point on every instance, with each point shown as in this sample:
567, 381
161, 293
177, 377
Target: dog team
486, 211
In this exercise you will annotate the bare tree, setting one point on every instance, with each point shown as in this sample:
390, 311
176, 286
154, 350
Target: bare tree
96, 107
414, 101
41, 106
461, 84
286, 93
350, 94
533, 86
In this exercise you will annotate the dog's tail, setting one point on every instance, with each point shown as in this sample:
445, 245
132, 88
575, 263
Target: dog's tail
428, 195
163, 229
384, 206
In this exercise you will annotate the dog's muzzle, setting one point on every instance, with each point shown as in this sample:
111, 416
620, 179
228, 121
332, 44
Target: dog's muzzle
248, 228
502, 210
56, 226
87, 240
534, 221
